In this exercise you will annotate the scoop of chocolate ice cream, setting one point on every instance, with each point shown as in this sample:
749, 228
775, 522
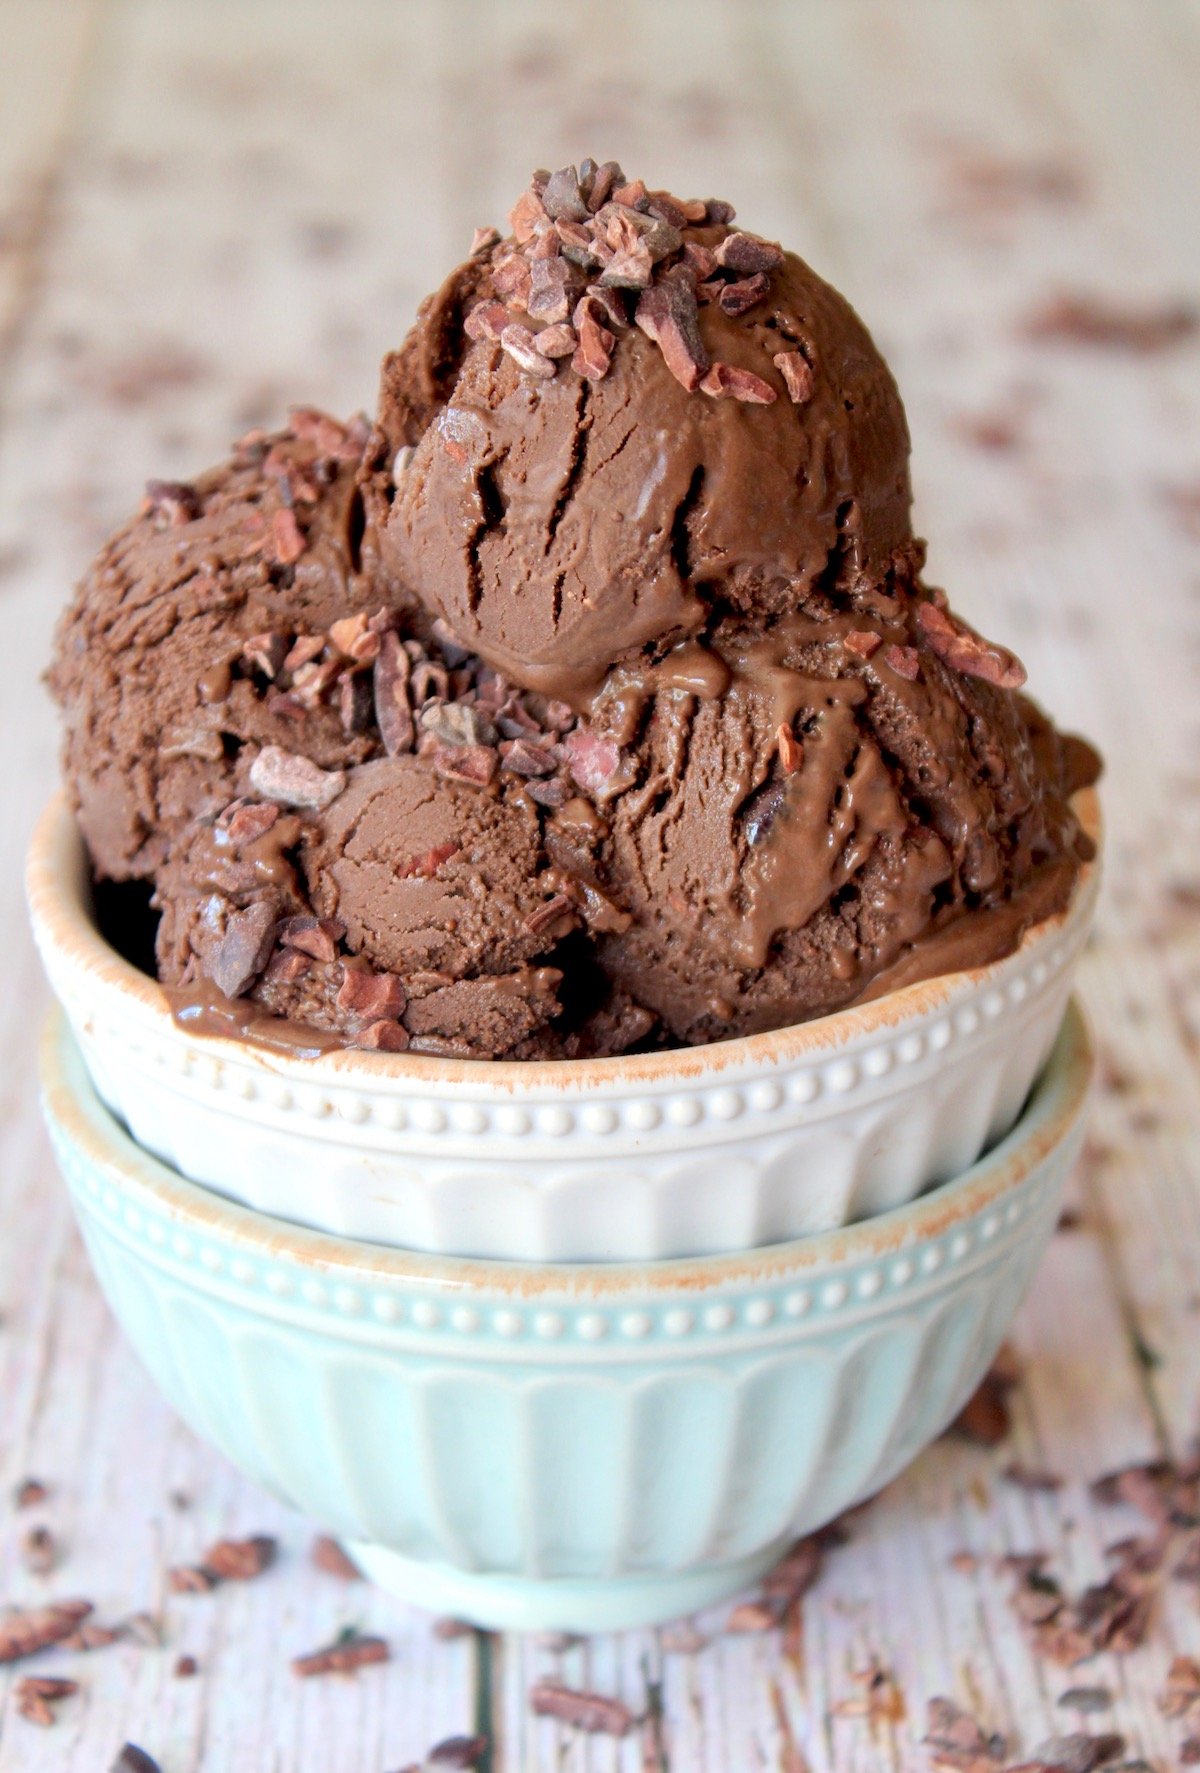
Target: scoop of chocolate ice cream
191, 637
867, 796
411, 909
714, 432
341, 821
429, 874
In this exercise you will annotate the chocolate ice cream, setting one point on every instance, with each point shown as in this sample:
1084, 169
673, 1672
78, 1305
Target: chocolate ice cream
590, 699
630, 510
342, 822
412, 908
849, 801
168, 660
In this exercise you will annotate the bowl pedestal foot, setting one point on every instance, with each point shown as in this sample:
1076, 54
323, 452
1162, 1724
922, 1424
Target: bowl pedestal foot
523, 1603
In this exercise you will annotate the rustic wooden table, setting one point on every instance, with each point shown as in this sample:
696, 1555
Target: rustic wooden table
209, 210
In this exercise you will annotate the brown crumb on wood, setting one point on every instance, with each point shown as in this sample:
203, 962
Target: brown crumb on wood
1027, 1477
1086, 1699
1180, 1697
879, 1699
594, 1713
238, 1560
37, 1695
958, 1743
191, 1579
30, 1629
1078, 318
343, 1656
984, 1418
459, 1754
1077, 1753
39, 1551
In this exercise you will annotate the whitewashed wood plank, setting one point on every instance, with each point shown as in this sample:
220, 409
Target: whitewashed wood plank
42, 67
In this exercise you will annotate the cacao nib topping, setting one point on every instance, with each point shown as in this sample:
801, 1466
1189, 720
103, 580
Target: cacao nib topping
726, 382
747, 254
964, 651
475, 764
595, 347
316, 937
172, 501
393, 712
245, 822
559, 340
797, 375
355, 703
554, 287
591, 250
526, 758
243, 948
293, 780
287, 541
862, 642
563, 198
667, 314
791, 751
382, 1037
905, 661
740, 297
265, 653
370, 996
518, 342
487, 320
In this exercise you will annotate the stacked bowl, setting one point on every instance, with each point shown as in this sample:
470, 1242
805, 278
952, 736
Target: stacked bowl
570, 1345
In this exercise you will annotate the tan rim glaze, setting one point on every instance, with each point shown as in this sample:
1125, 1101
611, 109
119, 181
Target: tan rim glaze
1052, 1112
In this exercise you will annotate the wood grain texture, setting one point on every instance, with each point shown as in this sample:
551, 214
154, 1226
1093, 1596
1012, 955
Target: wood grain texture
208, 211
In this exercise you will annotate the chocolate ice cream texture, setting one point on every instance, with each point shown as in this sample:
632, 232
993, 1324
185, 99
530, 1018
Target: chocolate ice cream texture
591, 699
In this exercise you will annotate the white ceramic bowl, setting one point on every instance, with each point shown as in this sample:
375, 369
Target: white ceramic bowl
555, 1446
719, 1148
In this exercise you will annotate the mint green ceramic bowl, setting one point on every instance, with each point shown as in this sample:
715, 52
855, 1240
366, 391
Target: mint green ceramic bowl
575, 1447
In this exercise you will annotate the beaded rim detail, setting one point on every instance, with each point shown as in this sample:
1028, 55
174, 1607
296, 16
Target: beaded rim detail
471, 1111
940, 1241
